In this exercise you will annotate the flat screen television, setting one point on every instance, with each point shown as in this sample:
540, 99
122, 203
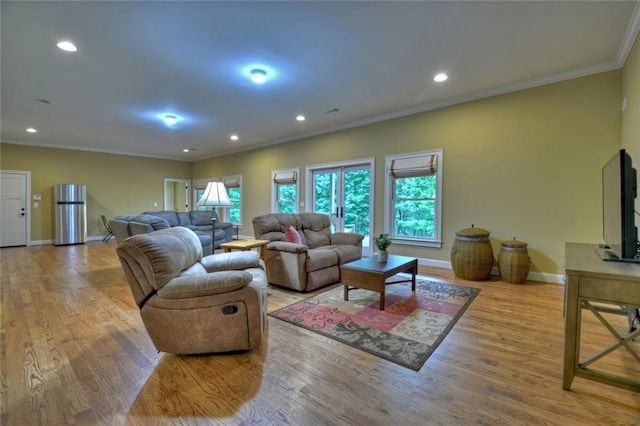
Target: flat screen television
618, 210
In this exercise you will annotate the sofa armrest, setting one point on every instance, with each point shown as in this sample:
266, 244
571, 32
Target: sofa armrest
224, 225
188, 286
235, 260
346, 239
227, 227
136, 228
287, 246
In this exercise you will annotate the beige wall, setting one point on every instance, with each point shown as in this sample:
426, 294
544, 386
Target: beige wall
631, 92
525, 164
116, 184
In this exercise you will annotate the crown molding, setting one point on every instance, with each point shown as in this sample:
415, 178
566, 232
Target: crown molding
80, 148
630, 36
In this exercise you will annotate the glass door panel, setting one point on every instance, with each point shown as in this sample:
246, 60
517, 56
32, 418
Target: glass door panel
325, 195
357, 202
345, 193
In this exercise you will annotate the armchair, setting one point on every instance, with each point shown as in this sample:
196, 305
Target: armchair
191, 304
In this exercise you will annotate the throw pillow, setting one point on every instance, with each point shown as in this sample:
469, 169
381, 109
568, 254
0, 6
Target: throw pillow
291, 235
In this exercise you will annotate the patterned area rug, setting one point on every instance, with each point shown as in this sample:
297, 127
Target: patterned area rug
409, 329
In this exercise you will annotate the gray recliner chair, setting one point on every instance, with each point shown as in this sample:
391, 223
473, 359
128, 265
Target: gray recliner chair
192, 304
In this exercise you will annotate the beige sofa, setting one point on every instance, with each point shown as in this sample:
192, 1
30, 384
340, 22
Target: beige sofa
315, 262
192, 304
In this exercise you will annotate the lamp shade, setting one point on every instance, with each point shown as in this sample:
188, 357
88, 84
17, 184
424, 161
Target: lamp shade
215, 196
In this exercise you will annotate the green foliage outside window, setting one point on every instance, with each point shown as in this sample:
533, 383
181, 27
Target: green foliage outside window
234, 211
414, 204
356, 204
287, 198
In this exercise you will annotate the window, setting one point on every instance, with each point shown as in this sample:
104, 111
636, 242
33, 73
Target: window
199, 186
285, 190
413, 198
233, 214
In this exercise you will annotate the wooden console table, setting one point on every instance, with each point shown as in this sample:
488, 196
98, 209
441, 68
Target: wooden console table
613, 284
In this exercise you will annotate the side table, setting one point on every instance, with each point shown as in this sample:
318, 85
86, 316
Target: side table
247, 245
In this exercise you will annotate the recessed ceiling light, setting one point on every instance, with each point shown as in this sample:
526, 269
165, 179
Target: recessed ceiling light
234, 137
32, 130
186, 150
301, 117
67, 46
258, 76
440, 77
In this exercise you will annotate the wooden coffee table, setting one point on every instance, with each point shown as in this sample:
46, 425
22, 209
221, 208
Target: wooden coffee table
369, 274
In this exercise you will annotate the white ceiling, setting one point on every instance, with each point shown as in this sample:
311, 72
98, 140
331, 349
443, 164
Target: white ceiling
371, 60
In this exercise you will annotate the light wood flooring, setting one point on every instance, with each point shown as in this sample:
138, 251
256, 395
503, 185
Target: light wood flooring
74, 351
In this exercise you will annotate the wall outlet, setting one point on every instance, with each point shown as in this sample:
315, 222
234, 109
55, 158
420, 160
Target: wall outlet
36, 205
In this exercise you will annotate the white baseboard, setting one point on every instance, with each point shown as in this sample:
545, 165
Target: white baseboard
45, 242
40, 242
444, 264
533, 276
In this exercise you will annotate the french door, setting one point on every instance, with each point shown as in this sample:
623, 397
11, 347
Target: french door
345, 193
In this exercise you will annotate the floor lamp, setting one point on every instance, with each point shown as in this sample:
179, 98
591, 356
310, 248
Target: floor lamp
214, 196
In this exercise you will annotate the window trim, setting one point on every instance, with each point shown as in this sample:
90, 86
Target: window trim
388, 206
274, 188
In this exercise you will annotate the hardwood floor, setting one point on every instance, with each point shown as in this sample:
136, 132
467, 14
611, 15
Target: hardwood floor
74, 351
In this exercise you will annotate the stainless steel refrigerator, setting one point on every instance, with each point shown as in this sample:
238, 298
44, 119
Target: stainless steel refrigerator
70, 205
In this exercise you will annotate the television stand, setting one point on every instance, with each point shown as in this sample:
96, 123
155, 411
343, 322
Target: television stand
614, 284
605, 253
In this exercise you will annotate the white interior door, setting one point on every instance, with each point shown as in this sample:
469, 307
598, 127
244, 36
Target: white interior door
13, 209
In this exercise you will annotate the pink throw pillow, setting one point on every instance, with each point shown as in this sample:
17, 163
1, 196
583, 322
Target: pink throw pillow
291, 235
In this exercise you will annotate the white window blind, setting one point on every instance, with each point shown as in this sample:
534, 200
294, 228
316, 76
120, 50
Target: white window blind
424, 165
232, 182
284, 178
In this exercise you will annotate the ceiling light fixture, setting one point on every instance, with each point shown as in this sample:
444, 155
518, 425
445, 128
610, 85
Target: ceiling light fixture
258, 76
170, 120
440, 77
32, 130
301, 117
186, 150
67, 46
234, 137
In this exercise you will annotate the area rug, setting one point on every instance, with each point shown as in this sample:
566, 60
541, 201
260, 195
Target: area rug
407, 332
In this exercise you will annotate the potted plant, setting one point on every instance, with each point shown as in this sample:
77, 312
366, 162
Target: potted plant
382, 242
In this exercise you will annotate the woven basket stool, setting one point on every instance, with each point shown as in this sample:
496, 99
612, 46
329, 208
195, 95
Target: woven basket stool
514, 262
471, 254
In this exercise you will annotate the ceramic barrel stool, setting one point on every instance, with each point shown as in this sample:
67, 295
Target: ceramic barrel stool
472, 255
514, 262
